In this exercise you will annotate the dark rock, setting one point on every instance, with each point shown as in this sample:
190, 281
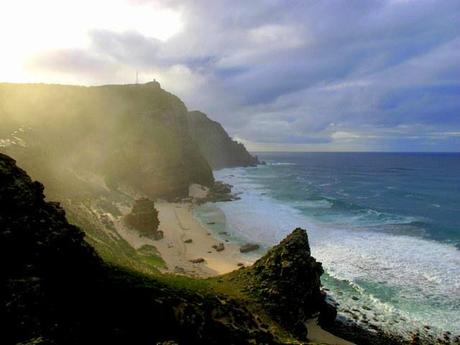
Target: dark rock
189, 240
56, 290
148, 145
197, 261
287, 283
143, 217
249, 247
328, 311
179, 269
219, 247
218, 192
216, 145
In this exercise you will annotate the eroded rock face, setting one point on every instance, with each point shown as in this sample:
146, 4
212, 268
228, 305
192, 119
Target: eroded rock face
286, 281
54, 289
216, 145
134, 136
144, 218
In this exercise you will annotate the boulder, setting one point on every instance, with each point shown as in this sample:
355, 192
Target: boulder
197, 261
249, 247
144, 217
219, 247
286, 281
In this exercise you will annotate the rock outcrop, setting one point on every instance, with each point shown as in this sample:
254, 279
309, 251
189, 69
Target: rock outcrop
132, 136
144, 218
286, 281
54, 289
215, 144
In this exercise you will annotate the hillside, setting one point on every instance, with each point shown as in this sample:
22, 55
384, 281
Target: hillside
131, 136
215, 144
140, 138
56, 289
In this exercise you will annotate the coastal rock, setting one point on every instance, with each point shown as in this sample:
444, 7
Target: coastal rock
158, 235
249, 247
286, 281
219, 247
218, 192
141, 133
327, 311
144, 217
197, 261
55, 289
215, 144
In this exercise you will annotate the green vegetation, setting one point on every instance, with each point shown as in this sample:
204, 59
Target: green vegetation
112, 248
94, 148
149, 254
133, 136
55, 288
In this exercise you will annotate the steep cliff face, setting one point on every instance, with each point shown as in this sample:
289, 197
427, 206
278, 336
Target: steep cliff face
286, 281
130, 135
216, 145
54, 289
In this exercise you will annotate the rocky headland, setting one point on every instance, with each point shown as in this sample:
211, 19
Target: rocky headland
215, 144
115, 156
56, 289
135, 138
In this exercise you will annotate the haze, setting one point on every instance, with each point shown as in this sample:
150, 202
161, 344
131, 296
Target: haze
289, 76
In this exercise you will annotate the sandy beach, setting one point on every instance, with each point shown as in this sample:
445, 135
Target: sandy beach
180, 226
186, 239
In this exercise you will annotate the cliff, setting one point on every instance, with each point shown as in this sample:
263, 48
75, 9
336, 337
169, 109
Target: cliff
286, 281
56, 290
130, 136
216, 145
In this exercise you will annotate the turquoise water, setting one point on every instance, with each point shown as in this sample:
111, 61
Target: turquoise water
385, 226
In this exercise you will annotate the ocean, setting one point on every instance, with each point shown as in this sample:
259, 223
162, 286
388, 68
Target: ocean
386, 227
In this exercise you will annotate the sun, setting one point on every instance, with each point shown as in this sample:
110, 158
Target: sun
30, 27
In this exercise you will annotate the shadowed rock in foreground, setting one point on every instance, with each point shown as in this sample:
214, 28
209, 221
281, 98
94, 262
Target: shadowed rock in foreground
54, 289
144, 218
286, 281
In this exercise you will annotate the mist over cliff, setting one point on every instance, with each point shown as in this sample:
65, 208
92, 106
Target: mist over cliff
139, 137
215, 144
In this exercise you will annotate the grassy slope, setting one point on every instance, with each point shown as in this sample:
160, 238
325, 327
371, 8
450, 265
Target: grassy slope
146, 262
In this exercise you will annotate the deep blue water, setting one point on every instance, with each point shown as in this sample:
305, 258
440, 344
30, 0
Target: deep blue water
412, 193
386, 227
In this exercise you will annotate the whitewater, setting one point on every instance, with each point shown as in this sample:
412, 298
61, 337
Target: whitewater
385, 228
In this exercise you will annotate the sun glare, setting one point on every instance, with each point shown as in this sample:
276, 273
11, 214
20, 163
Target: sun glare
29, 27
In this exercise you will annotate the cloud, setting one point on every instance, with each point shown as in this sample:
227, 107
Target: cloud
364, 75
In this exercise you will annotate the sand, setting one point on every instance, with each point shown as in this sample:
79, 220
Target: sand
318, 335
178, 224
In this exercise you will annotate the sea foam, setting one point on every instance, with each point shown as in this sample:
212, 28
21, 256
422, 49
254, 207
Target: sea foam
400, 276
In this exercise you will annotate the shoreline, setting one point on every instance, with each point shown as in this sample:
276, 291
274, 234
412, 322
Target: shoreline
186, 239
179, 224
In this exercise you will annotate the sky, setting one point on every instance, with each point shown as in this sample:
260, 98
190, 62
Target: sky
279, 75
